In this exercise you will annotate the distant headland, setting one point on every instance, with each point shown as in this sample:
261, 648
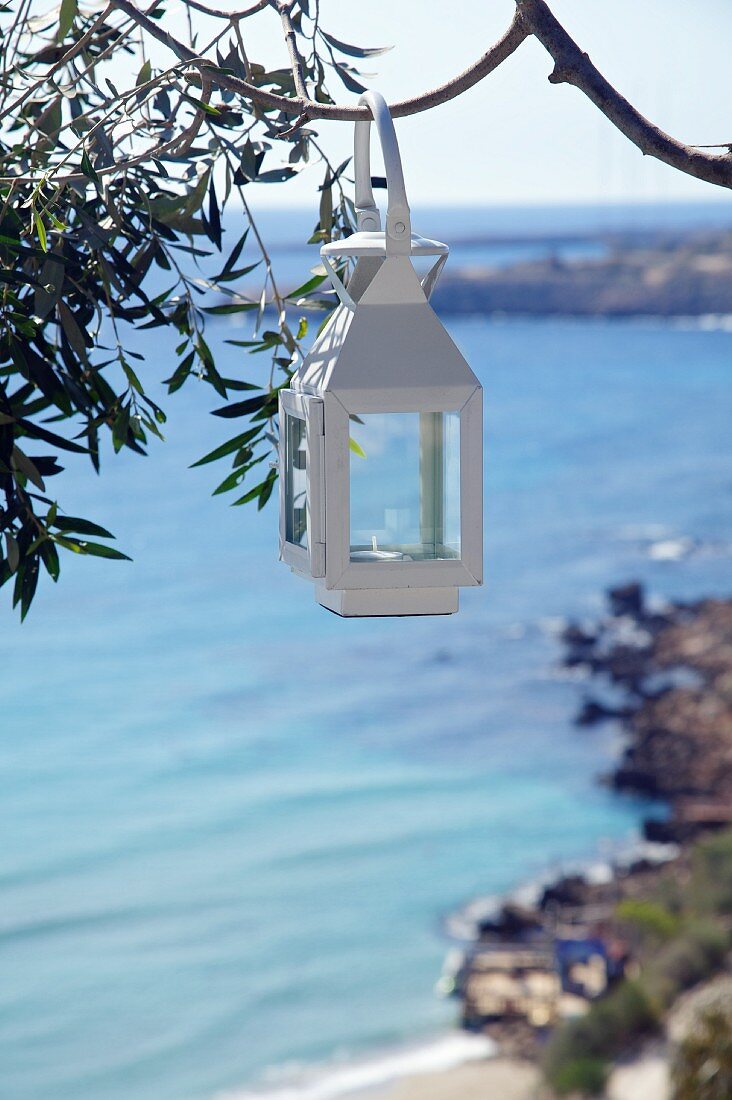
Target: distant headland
660, 274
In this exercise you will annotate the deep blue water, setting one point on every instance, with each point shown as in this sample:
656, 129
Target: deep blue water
233, 823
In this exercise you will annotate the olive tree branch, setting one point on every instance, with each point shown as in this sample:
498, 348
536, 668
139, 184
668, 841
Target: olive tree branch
17, 25
572, 66
297, 105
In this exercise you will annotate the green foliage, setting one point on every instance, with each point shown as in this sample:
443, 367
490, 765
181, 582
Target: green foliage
702, 1068
610, 1027
711, 886
689, 958
653, 920
112, 203
583, 1076
627, 1011
678, 950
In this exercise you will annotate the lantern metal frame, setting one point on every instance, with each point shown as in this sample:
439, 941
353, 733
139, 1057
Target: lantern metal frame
307, 560
383, 318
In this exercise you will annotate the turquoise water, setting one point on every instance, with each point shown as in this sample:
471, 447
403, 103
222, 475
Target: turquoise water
232, 823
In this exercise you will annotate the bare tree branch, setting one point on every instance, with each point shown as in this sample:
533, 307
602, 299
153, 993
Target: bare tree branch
572, 66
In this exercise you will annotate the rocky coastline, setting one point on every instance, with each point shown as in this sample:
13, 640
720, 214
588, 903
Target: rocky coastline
539, 973
672, 669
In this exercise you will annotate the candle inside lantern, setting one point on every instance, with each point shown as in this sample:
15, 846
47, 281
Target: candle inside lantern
374, 554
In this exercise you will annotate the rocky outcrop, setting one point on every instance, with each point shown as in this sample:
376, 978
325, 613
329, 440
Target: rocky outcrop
675, 670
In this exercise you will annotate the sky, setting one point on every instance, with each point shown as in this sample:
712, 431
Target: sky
515, 138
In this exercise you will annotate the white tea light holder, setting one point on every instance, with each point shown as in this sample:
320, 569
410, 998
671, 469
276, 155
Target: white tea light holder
381, 432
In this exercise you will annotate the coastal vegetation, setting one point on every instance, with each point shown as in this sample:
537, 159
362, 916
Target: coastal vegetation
702, 1068
678, 919
684, 935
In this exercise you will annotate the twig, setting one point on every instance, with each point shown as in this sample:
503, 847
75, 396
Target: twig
296, 62
230, 16
297, 125
17, 24
182, 143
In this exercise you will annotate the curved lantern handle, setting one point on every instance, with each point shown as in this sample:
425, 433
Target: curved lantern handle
398, 224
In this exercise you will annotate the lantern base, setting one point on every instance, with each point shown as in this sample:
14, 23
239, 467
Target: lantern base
374, 602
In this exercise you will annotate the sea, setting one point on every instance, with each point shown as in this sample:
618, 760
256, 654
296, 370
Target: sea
236, 828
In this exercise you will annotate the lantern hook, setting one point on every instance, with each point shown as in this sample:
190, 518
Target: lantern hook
398, 221
371, 241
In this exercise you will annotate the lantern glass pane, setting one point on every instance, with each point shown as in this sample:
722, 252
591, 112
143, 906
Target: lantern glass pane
296, 514
405, 486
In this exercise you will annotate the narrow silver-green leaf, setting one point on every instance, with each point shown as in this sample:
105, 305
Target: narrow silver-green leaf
67, 14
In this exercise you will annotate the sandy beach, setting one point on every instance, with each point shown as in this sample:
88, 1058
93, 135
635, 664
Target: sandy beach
506, 1078
644, 1078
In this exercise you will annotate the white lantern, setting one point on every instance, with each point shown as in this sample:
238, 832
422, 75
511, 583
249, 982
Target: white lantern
381, 440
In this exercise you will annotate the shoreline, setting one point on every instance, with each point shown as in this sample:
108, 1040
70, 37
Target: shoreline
547, 956
667, 671
370, 1075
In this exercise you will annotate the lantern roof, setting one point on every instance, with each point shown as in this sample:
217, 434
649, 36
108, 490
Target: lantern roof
391, 351
384, 348
374, 243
